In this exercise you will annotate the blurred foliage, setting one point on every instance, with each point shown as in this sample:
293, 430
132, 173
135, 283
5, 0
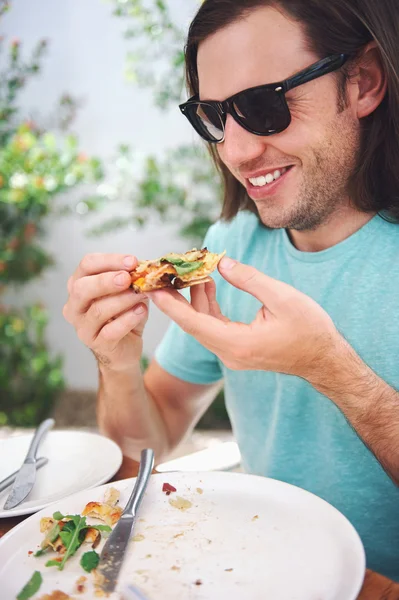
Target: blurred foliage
36, 166
30, 379
183, 189
154, 40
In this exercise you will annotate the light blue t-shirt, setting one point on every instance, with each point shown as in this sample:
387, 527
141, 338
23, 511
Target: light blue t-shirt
284, 427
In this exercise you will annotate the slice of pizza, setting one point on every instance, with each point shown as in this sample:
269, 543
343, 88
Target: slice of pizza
175, 270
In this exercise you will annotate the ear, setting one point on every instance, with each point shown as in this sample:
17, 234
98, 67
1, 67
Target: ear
371, 81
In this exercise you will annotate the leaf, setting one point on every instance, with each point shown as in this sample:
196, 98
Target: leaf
188, 267
58, 516
53, 563
31, 587
90, 560
72, 536
182, 267
105, 529
51, 536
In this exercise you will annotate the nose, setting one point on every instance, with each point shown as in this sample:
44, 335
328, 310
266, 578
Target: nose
239, 146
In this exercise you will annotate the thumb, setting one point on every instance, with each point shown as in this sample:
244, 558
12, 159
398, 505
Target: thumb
267, 290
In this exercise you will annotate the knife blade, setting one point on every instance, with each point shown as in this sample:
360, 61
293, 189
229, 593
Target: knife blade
113, 552
25, 479
11, 478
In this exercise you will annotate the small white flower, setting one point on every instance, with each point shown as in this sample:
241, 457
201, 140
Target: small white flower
50, 183
70, 179
18, 181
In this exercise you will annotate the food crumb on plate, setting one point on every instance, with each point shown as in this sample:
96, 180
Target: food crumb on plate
175, 568
138, 538
198, 582
180, 503
255, 518
228, 570
56, 595
80, 585
199, 490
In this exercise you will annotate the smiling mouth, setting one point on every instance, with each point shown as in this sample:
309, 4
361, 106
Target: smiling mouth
267, 178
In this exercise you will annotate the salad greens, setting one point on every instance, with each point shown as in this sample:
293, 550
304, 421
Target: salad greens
90, 560
182, 267
31, 587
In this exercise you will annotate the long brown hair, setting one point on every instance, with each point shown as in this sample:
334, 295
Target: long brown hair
332, 27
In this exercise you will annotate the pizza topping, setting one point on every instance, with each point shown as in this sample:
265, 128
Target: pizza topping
168, 488
109, 514
175, 270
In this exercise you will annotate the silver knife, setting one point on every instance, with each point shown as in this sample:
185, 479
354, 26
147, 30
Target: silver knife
113, 553
26, 476
11, 478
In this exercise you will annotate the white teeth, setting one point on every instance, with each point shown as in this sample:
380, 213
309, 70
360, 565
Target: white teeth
268, 178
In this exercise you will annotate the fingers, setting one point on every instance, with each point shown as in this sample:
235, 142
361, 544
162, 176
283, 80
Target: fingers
114, 331
85, 290
211, 332
105, 309
214, 308
271, 292
96, 263
199, 298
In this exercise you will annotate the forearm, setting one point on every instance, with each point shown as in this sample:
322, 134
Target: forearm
368, 402
127, 413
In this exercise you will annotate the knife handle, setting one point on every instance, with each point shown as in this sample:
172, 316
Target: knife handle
11, 478
145, 470
37, 438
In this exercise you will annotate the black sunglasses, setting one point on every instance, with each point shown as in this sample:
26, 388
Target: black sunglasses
262, 110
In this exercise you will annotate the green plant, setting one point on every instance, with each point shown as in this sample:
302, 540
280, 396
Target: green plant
183, 189
35, 167
30, 378
154, 39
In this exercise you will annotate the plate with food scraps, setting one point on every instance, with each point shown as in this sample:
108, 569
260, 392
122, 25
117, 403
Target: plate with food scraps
198, 536
77, 460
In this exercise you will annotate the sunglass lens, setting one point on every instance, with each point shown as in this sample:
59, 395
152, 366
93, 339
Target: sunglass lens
206, 121
262, 111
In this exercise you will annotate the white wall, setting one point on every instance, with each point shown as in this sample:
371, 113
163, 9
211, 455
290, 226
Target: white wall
86, 58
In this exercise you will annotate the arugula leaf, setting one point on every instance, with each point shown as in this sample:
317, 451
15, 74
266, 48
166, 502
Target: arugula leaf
53, 563
31, 587
182, 267
171, 260
51, 536
58, 516
90, 560
72, 536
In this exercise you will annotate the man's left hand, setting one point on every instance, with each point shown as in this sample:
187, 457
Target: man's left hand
290, 334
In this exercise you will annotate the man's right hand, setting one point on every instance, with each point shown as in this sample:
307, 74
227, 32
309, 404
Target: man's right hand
109, 317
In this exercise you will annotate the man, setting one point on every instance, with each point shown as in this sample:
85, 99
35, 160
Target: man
303, 328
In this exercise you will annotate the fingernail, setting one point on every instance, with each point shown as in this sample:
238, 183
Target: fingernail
139, 309
227, 263
121, 279
129, 261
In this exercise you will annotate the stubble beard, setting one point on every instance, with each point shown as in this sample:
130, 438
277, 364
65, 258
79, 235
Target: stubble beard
325, 182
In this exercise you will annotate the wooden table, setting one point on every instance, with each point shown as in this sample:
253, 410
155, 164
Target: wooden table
375, 587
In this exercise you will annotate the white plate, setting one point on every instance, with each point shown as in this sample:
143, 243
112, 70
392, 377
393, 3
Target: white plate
78, 460
298, 548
